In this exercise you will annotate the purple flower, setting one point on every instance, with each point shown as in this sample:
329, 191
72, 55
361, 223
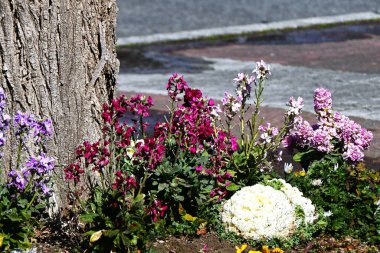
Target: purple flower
17, 180
23, 122
302, 133
3, 99
40, 164
43, 127
46, 190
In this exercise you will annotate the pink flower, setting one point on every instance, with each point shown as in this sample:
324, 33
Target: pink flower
295, 106
322, 102
267, 133
353, 153
322, 140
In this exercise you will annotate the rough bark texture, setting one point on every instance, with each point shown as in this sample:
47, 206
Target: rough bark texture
58, 60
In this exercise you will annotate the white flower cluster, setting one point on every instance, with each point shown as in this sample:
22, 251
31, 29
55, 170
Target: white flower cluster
261, 212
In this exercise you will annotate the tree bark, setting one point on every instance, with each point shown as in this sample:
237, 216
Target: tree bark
58, 60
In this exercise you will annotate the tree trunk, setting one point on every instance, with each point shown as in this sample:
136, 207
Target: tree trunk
58, 60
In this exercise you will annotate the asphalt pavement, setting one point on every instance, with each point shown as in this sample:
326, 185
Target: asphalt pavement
146, 17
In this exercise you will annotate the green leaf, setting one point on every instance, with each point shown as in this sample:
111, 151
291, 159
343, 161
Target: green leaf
162, 186
22, 203
96, 236
233, 187
40, 206
88, 217
111, 233
139, 198
13, 216
298, 157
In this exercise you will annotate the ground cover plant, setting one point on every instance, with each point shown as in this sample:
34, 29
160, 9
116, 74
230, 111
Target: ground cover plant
190, 175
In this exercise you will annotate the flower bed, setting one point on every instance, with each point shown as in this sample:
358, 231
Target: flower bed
192, 174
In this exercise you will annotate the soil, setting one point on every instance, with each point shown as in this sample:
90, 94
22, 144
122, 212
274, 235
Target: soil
321, 244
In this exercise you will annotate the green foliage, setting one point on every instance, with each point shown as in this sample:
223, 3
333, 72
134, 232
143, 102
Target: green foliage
18, 216
349, 192
113, 226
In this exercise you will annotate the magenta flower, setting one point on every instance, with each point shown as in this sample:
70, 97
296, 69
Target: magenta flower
176, 85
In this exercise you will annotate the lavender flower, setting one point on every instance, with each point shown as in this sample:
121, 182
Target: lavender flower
302, 132
18, 180
42, 128
333, 130
23, 122
46, 190
3, 99
4, 119
40, 164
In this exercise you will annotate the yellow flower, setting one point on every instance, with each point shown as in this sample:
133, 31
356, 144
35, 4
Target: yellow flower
254, 251
241, 249
265, 249
277, 250
189, 217
301, 173
130, 152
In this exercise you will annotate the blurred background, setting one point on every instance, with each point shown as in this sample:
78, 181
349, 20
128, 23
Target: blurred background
308, 43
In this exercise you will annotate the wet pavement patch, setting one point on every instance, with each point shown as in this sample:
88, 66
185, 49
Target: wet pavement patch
148, 61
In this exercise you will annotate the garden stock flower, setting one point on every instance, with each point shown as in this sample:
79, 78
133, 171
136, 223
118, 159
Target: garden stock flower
176, 85
333, 131
244, 85
262, 70
295, 106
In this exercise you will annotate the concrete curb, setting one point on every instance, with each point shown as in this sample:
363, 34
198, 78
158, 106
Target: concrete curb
244, 29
